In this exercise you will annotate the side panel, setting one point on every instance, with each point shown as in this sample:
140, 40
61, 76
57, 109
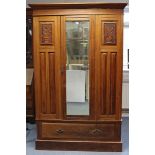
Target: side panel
46, 40
108, 66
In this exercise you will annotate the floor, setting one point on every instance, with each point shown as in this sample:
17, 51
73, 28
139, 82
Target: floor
31, 136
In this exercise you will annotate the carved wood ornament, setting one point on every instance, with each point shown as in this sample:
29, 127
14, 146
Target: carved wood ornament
101, 129
46, 34
110, 33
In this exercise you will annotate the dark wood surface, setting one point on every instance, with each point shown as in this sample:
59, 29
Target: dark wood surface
30, 99
101, 130
76, 131
79, 145
29, 12
29, 58
77, 5
30, 102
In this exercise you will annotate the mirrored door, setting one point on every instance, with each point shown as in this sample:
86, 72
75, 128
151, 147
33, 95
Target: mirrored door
76, 65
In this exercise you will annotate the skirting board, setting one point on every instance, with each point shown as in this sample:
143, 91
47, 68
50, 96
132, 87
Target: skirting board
125, 112
79, 145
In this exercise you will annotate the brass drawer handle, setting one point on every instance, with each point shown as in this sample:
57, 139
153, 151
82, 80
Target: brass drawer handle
96, 132
59, 131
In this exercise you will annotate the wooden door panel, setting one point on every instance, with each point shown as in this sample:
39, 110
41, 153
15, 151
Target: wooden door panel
107, 83
47, 67
113, 70
43, 82
103, 86
108, 66
47, 81
52, 83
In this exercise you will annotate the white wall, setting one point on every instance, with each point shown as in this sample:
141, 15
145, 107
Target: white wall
126, 39
125, 90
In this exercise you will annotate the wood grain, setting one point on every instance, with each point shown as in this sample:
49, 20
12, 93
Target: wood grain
79, 145
43, 82
113, 71
47, 69
77, 5
103, 86
74, 131
109, 91
101, 130
109, 34
46, 33
52, 82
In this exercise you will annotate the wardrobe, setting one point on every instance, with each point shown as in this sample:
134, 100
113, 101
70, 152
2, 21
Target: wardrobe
78, 53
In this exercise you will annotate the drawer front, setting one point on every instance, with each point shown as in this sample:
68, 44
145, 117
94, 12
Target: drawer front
79, 131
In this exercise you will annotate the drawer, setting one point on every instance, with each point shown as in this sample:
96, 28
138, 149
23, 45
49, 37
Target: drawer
79, 131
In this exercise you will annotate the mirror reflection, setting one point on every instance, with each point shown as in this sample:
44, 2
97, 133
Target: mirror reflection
77, 67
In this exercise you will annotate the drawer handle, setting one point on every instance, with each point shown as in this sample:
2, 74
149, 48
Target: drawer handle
59, 131
96, 132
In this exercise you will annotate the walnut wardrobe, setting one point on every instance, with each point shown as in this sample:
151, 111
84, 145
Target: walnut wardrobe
78, 53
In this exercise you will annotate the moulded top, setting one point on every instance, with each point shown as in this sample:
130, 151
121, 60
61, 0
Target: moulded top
77, 5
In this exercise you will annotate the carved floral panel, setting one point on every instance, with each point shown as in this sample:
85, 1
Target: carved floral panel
110, 33
46, 33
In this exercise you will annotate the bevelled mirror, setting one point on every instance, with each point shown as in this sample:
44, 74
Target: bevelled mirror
77, 66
